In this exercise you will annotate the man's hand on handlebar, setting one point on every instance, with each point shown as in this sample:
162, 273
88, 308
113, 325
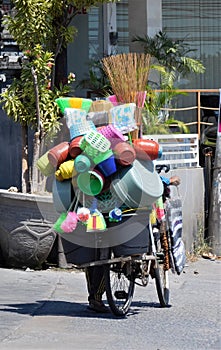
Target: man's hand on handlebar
175, 180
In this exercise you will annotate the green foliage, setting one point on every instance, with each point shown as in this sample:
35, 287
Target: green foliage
45, 21
174, 55
96, 81
41, 28
19, 99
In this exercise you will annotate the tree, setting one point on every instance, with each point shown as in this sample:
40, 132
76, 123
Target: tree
42, 30
172, 60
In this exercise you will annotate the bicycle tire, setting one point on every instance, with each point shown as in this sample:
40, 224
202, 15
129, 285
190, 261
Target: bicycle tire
162, 284
119, 287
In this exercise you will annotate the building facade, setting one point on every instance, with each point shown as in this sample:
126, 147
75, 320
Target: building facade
196, 21
109, 29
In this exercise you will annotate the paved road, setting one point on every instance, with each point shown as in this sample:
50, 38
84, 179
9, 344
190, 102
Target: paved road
48, 310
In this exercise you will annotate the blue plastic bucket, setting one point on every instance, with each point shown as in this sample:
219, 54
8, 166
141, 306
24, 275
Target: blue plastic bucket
108, 166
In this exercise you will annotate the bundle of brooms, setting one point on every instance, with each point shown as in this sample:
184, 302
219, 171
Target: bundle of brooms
128, 76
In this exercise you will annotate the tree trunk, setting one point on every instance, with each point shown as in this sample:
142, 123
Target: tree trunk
37, 181
25, 166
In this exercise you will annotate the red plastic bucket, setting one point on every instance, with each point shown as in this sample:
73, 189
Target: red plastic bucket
124, 153
74, 147
58, 154
147, 149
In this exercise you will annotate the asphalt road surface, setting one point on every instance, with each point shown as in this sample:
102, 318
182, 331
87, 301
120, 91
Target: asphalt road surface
47, 309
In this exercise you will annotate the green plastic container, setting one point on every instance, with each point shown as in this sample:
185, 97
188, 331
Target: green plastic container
90, 182
63, 102
45, 166
137, 185
86, 104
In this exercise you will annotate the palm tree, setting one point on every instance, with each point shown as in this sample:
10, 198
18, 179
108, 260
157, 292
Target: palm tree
172, 60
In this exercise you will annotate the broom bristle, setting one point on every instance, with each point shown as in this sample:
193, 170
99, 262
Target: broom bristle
128, 75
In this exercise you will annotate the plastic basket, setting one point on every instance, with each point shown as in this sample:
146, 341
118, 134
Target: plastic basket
74, 116
63, 103
97, 141
76, 102
102, 156
123, 117
81, 129
106, 201
94, 144
80, 103
86, 104
112, 134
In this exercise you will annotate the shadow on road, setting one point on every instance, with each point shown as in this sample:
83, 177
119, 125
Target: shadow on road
64, 308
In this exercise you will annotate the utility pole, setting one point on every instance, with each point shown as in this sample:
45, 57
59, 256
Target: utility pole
215, 212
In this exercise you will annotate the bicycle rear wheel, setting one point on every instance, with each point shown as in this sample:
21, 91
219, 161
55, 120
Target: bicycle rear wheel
119, 283
162, 283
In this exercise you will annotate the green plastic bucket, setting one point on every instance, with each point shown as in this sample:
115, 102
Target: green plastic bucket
45, 166
138, 185
90, 182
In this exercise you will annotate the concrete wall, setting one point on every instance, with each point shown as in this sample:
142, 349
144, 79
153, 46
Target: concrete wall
145, 18
10, 153
191, 191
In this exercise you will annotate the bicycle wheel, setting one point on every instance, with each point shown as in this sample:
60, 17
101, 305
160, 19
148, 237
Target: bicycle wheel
119, 283
162, 283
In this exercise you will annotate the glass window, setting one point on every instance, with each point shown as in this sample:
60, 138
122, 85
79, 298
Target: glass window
199, 22
122, 27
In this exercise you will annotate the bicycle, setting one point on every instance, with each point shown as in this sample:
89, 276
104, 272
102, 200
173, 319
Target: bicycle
123, 273
126, 269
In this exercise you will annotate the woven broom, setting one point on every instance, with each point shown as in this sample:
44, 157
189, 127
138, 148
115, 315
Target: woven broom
128, 76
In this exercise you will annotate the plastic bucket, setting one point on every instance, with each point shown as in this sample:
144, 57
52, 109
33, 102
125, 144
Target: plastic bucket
124, 153
58, 154
108, 166
45, 166
82, 163
147, 149
74, 147
62, 194
137, 185
90, 182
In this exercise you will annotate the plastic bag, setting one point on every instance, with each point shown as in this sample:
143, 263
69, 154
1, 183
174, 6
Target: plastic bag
175, 226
